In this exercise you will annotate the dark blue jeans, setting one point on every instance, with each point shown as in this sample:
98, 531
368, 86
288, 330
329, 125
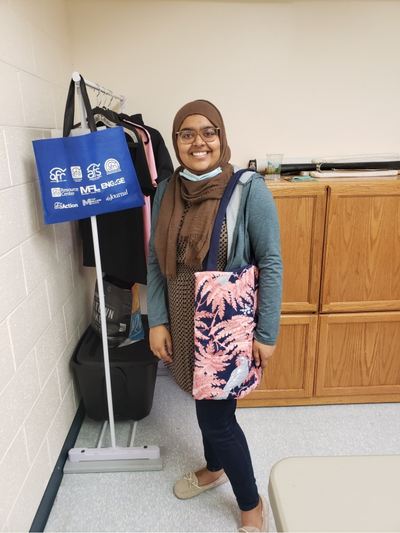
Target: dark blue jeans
225, 446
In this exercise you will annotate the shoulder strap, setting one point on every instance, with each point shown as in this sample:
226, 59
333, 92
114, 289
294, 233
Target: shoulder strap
70, 106
211, 259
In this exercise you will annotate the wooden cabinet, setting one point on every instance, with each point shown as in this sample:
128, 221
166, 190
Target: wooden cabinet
290, 372
361, 267
301, 212
339, 340
358, 354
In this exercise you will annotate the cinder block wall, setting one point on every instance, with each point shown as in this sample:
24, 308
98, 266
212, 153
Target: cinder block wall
45, 293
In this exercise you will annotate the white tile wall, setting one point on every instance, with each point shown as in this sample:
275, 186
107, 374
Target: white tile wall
61, 424
63, 364
44, 304
18, 220
53, 340
38, 203
47, 58
5, 180
60, 96
19, 151
55, 18
13, 49
13, 471
28, 322
30, 495
75, 308
11, 110
42, 414
37, 96
39, 256
16, 401
32, 10
11, 294
66, 238
6, 356
59, 285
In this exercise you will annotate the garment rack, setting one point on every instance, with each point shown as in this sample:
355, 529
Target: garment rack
115, 458
76, 77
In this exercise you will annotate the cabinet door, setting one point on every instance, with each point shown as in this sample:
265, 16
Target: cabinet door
290, 371
301, 210
361, 265
358, 354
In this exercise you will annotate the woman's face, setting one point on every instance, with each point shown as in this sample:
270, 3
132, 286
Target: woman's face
200, 155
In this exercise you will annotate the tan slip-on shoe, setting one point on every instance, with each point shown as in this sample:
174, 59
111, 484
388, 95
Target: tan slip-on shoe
188, 486
265, 517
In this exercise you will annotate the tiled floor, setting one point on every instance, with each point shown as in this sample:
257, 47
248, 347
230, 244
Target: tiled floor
143, 501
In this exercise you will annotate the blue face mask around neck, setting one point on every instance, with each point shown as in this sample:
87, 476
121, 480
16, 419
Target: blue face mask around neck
192, 177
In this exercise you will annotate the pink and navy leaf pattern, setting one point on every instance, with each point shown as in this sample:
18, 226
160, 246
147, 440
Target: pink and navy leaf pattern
225, 316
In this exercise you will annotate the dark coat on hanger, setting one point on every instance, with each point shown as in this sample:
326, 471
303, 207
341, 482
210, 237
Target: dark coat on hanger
106, 117
121, 233
164, 165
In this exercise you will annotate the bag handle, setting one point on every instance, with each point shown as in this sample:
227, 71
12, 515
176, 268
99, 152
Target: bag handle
70, 108
211, 260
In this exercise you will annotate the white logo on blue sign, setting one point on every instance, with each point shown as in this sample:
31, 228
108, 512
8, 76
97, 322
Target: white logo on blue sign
60, 205
93, 171
57, 174
91, 201
111, 166
89, 189
76, 173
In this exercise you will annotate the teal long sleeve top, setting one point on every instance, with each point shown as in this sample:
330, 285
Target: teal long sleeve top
252, 224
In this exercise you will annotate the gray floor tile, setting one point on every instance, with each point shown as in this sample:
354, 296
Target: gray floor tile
144, 501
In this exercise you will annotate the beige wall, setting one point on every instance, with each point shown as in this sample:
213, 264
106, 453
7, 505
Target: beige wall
43, 292
305, 78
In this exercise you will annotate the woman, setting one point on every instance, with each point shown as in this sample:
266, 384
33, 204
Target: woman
184, 211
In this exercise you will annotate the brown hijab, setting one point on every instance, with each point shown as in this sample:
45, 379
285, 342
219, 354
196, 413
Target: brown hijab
204, 197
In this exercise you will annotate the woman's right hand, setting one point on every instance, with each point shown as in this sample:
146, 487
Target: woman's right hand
160, 342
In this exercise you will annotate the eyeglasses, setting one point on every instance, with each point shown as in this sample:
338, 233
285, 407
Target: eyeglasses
207, 134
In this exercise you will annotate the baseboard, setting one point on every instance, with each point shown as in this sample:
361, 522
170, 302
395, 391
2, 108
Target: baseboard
44, 509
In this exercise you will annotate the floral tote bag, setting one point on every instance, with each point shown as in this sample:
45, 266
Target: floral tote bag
224, 323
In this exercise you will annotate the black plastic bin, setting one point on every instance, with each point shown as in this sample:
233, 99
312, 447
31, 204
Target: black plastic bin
133, 371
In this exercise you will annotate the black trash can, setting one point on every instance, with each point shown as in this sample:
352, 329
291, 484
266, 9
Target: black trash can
133, 372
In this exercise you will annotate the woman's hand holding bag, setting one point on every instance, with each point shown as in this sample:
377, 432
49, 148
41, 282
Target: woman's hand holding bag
161, 343
262, 353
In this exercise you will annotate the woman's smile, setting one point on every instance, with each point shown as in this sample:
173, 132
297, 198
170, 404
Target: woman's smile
200, 155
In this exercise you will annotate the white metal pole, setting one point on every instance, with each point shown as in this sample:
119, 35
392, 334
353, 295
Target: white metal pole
100, 286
